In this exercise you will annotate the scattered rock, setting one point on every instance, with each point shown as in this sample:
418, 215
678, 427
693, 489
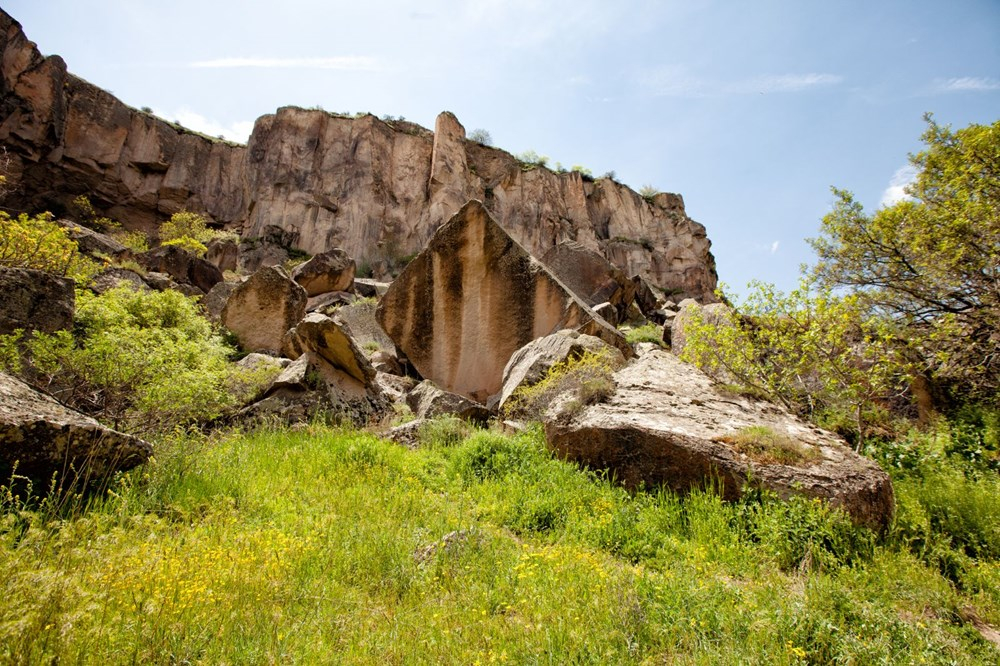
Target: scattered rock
386, 362
591, 277
329, 302
647, 300
44, 438
472, 298
393, 386
668, 424
529, 364
182, 266
325, 337
332, 270
116, 277
215, 300
428, 400
35, 301
260, 310
368, 288
224, 253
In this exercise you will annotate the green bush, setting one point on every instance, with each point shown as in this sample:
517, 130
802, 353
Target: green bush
41, 244
145, 361
646, 333
588, 378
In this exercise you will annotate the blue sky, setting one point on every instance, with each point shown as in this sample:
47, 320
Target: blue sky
750, 110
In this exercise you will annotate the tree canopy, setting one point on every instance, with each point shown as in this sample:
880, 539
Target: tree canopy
932, 260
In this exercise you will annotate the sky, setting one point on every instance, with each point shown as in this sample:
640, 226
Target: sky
750, 110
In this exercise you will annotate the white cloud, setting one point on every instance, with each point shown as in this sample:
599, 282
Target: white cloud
675, 81
774, 247
347, 63
897, 185
238, 131
968, 84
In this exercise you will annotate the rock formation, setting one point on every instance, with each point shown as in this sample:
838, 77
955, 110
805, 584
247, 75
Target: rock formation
377, 189
667, 423
261, 310
471, 299
35, 301
42, 437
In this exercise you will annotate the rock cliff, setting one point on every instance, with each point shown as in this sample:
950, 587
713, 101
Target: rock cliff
376, 189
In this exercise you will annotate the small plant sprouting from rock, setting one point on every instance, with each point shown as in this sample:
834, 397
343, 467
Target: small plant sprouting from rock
648, 192
577, 382
646, 333
531, 160
763, 445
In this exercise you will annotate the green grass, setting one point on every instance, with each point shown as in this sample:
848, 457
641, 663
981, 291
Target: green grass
332, 546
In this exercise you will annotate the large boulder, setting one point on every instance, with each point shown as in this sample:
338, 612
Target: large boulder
260, 310
323, 336
42, 437
93, 243
428, 400
716, 314
590, 276
472, 298
223, 252
332, 270
668, 424
182, 266
35, 301
270, 248
529, 364
360, 320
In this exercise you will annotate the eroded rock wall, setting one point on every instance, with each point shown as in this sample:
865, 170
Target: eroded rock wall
377, 189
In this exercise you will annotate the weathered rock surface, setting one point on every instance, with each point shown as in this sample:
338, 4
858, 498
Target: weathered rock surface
269, 248
311, 387
92, 242
328, 271
471, 299
223, 253
117, 277
668, 424
368, 288
43, 437
376, 189
182, 266
428, 400
528, 365
35, 301
590, 276
215, 300
262, 309
324, 337
363, 326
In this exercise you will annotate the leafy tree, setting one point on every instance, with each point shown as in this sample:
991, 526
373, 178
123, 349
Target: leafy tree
39, 243
481, 136
823, 355
932, 261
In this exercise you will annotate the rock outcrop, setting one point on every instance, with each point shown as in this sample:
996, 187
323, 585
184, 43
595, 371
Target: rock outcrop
35, 301
42, 437
328, 271
667, 424
427, 400
377, 189
472, 298
182, 266
590, 276
261, 310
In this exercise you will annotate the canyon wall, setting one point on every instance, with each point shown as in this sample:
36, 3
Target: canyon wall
378, 189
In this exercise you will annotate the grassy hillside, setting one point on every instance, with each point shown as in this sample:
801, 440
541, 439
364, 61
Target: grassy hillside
329, 546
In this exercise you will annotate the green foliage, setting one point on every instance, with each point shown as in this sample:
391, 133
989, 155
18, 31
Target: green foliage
39, 243
819, 353
530, 160
764, 445
648, 192
578, 381
196, 248
487, 550
646, 333
133, 240
932, 262
146, 361
187, 225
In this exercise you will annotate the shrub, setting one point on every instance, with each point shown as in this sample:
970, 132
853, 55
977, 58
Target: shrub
588, 379
133, 240
39, 243
187, 243
763, 445
147, 361
647, 192
647, 333
481, 136
185, 224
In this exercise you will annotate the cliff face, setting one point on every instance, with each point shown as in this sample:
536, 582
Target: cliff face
376, 189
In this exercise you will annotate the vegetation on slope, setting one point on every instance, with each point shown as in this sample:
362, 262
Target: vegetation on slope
330, 546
